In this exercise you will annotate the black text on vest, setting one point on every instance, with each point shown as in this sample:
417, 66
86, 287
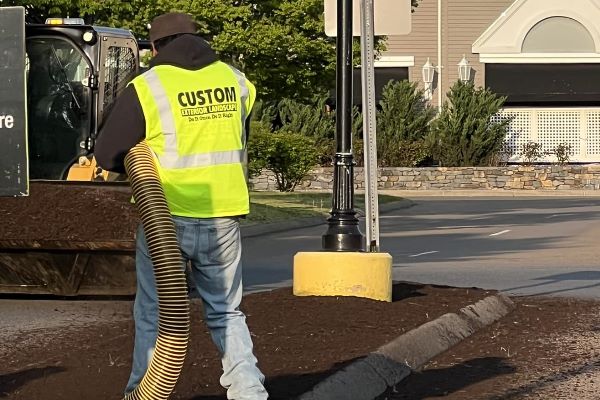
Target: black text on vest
215, 103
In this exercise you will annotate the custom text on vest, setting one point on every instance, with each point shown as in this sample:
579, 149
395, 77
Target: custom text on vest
208, 103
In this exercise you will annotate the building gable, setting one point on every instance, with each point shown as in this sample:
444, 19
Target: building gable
519, 32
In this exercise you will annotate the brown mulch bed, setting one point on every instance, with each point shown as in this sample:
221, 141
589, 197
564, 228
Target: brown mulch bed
543, 342
69, 211
298, 341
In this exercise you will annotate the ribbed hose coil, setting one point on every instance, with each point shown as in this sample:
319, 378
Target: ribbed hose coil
173, 302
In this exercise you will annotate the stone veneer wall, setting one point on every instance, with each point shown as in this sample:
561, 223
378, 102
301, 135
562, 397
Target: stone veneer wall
543, 177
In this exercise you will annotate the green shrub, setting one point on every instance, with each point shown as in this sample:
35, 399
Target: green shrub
258, 147
402, 124
264, 112
326, 152
532, 152
404, 113
412, 153
357, 123
357, 139
501, 157
464, 134
289, 155
563, 153
312, 120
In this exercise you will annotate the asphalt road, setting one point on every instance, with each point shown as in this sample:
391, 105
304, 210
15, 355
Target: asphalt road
522, 246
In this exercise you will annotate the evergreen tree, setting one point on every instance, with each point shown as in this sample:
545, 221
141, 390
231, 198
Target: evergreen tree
402, 124
464, 133
313, 120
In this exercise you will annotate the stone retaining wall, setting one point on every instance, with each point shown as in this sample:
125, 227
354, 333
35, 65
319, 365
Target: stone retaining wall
542, 177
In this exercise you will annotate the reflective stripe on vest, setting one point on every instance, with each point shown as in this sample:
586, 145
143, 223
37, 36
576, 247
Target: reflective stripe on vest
171, 158
245, 94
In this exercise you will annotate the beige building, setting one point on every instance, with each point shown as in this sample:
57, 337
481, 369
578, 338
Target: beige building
544, 55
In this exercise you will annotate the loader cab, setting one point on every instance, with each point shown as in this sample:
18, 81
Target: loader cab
74, 74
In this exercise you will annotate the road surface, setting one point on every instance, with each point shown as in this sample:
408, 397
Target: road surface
522, 246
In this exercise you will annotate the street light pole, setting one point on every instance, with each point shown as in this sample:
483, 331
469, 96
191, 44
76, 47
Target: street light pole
343, 233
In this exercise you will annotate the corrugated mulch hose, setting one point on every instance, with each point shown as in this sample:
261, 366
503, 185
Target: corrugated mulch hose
174, 310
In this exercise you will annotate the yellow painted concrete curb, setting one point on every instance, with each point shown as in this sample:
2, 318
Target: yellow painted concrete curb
367, 275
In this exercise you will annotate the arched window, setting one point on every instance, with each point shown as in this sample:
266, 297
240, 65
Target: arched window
558, 35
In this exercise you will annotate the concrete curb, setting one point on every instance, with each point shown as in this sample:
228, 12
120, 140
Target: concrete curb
490, 193
263, 229
369, 377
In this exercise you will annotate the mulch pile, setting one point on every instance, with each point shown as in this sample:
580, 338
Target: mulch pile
299, 341
69, 211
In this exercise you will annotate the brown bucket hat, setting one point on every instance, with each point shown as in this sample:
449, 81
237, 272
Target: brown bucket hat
171, 24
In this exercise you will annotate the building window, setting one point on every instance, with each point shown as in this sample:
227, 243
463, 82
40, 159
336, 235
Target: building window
545, 84
383, 76
558, 35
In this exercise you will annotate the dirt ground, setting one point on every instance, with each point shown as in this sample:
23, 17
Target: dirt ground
547, 348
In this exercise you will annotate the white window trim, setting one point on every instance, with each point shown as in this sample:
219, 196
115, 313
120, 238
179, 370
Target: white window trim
540, 58
395, 61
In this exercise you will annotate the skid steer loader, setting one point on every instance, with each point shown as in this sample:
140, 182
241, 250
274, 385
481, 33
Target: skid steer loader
57, 80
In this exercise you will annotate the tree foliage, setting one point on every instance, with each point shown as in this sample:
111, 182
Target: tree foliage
280, 44
464, 133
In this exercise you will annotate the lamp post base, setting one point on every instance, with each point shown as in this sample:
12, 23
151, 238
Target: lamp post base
343, 235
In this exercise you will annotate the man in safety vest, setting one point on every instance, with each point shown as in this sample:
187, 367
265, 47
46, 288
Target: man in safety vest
193, 111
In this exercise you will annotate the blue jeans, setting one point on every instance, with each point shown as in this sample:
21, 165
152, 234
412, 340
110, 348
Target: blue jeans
213, 246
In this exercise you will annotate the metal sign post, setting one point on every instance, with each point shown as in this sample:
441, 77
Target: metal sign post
367, 52
381, 17
13, 104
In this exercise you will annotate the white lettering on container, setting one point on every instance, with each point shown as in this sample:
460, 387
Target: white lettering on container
6, 121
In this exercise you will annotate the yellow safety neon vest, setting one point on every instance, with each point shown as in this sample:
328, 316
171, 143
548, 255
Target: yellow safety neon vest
195, 125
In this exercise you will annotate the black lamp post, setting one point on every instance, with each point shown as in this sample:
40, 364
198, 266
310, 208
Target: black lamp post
343, 233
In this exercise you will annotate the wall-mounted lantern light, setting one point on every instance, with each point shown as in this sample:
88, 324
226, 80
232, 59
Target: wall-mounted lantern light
428, 75
464, 70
